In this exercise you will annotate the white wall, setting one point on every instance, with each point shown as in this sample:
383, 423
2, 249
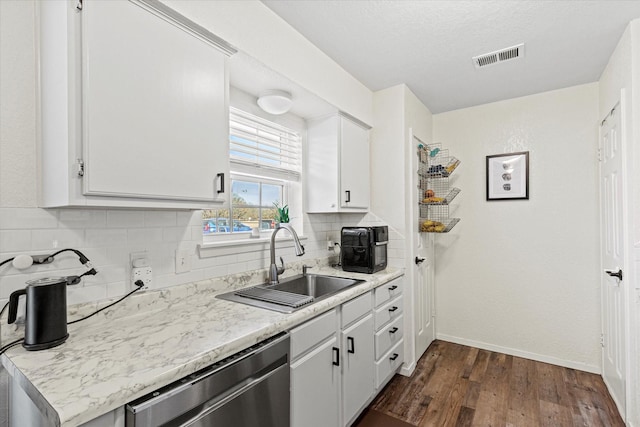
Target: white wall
522, 277
18, 174
623, 73
393, 157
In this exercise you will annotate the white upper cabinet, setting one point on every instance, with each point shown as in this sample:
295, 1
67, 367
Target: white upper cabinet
134, 105
337, 165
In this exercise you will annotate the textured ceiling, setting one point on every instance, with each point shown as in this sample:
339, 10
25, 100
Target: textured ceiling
428, 45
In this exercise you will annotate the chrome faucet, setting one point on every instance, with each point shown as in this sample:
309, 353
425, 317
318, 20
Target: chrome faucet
274, 270
305, 267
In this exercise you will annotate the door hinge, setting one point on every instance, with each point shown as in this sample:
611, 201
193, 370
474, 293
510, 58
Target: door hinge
79, 4
80, 167
602, 340
599, 154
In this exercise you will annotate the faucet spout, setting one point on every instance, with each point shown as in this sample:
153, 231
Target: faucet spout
274, 270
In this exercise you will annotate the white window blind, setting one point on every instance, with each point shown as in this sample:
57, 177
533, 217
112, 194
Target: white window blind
255, 143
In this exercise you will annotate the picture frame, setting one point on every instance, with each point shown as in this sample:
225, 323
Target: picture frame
508, 176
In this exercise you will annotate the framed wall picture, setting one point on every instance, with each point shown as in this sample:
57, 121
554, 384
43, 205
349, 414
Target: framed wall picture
508, 176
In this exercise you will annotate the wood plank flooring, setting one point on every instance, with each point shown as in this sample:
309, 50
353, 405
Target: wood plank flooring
456, 385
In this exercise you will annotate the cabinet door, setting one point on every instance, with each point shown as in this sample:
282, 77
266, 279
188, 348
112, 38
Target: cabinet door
358, 370
315, 387
155, 112
354, 165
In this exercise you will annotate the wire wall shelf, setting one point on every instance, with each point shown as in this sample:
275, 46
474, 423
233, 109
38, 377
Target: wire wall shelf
435, 166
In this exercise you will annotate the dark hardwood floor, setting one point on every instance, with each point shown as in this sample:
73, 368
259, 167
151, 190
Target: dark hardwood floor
456, 385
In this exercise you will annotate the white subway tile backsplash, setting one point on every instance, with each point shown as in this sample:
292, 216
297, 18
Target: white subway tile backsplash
160, 218
80, 294
218, 271
144, 235
105, 237
27, 218
72, 218
15, 240
10, 283
116, 289
51, 240
108, 237
237, 268
189, 218
257, 264
176, 234
125, 219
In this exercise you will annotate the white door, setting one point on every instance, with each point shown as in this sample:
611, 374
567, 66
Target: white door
423, 271
612, 256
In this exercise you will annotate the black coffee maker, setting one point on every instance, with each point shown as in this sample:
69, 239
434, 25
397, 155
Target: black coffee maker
46, 313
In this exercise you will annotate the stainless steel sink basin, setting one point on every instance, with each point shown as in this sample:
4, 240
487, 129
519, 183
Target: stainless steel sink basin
315, 285
293, 293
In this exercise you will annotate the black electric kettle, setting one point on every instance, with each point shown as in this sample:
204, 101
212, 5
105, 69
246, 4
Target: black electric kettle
46, 313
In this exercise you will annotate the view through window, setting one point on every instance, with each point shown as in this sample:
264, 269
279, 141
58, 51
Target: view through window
265, 158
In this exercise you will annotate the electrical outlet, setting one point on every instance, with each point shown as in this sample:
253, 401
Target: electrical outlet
329, 245
142, 273
141, 269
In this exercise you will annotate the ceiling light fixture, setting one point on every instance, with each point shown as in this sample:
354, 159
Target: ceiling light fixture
275, 101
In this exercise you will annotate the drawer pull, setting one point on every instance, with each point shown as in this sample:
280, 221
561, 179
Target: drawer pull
393, 288
393, 330
394, 357
351, 346
392, 309
336, 356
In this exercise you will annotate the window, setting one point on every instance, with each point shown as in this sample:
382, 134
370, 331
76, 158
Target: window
265, 161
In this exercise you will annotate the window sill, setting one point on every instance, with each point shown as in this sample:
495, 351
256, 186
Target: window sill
210, 248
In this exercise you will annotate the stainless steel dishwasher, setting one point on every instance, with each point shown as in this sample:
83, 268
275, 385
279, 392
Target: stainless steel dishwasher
248, 389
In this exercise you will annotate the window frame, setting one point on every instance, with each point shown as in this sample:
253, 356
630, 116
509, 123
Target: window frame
263, 174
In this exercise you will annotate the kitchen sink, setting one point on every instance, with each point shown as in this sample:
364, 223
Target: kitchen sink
315, 285
293, 293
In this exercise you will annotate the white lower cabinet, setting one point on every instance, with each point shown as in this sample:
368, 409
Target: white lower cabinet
340, 358
389, 331
357, 357
315, 385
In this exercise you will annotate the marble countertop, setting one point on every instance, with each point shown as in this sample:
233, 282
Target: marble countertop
151, 340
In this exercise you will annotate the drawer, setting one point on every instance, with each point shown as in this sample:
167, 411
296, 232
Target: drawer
388, 312
313, 332
388, 336
356, 308
389, 364
388, 291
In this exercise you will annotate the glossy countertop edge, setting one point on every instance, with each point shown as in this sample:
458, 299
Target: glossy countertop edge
76, 396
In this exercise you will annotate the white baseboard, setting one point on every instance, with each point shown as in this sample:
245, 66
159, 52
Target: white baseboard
407, 370
524, 354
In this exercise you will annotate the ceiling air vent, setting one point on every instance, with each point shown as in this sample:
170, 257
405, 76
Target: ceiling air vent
498, 56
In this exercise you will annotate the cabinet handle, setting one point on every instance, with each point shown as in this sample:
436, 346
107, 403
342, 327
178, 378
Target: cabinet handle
336, 356
393, 330
221, 189
394, 357
351, 345
348, 195
392, 309
393, 288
